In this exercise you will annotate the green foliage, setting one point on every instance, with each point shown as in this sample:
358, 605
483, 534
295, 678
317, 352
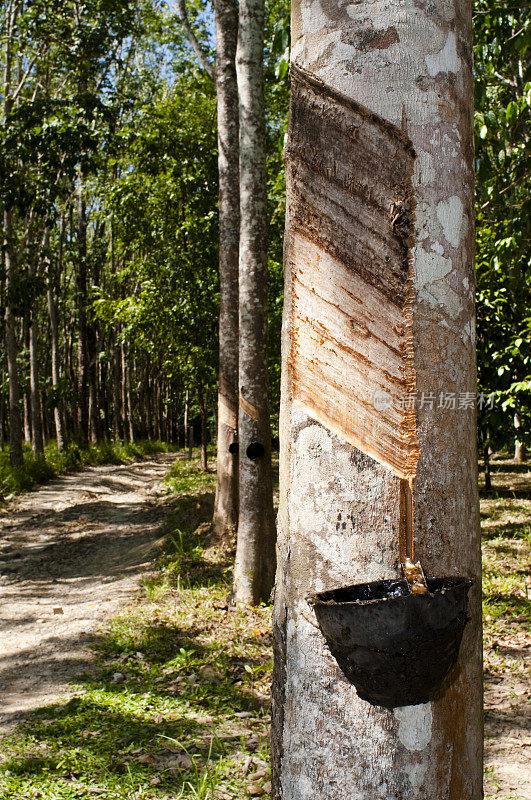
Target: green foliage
502, 125
162, 200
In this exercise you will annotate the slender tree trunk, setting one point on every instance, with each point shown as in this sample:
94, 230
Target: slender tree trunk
203, 414
26, 403
26, 392
15, 428
225, 517
82, 302
93, 347
53, 284
35, 392
379, 171
118, 429
126, 394
35, 395
520, 454
185, 423
2, 414
254, 567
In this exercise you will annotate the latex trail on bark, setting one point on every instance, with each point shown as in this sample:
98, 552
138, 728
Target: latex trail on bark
350, 225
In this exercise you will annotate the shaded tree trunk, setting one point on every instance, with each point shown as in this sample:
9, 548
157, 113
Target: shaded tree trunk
225, 518
35, 395
203, 415
82, 302
15, 426
520, 453
394, 98
118, 428
127, 404
52, 293
254, 567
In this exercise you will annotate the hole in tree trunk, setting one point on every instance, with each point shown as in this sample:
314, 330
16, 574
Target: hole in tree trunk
234, 448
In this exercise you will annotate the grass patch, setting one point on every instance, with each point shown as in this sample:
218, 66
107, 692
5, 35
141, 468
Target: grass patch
34, 471
179, 708
506, 545
188, 479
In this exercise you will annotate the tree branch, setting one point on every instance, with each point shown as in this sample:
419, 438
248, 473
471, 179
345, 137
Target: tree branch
190, 35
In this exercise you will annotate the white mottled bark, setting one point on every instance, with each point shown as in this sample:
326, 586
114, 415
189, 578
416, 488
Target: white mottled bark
409, 63
225, 518
254, 567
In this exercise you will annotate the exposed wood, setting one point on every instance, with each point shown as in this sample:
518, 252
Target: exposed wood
351, 215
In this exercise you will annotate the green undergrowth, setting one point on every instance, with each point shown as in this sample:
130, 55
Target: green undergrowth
187, 478
178, 704
35, 471
506, 534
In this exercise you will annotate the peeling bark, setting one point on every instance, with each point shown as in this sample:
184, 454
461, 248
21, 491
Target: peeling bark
351, 217
389, 72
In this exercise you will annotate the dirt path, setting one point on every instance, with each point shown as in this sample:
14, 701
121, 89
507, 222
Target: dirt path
70, 554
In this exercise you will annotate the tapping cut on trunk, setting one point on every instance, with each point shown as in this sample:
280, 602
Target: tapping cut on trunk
350, 227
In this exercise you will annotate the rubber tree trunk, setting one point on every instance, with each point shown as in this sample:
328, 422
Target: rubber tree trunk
52, 292
15, 423
82, 303
254, 567
35, 395
118, 426
403, 74
225, 518
203, 414
520, 453
127, 402
35, 392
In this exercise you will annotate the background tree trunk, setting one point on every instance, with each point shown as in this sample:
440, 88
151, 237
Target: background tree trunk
408, 69
225, 517
203, 415
520, 453
52, 293
15, 425
254, 567
36, 410
82, 302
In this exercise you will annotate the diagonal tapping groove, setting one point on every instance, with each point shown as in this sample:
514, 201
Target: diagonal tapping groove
349, 236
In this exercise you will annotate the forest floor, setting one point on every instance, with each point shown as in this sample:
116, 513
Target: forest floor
123, 673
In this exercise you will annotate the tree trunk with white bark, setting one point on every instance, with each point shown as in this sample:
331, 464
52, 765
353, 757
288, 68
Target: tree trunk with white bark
254, 567
225, 518
379, 271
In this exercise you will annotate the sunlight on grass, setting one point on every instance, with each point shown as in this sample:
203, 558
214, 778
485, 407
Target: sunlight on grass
180, 705
33, 472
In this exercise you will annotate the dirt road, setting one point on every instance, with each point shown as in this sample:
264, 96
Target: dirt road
70, 554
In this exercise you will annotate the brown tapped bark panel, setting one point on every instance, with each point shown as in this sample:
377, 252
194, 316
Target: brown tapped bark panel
351, 214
